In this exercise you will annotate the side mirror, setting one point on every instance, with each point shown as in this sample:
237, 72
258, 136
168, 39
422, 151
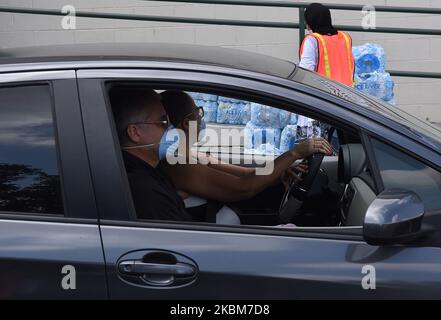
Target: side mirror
394, 217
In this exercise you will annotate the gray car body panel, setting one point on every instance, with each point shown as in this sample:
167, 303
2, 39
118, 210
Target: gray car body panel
245, 266
33, 254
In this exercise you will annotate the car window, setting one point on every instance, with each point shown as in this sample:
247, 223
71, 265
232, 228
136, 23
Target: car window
213, 167
29, 175
399, 170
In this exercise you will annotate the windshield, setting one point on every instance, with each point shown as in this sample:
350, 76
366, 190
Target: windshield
417, 126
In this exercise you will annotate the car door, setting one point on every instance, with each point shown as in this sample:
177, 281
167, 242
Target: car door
173, 260
50, 246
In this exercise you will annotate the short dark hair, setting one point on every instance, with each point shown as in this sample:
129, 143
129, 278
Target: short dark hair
177, 104
129, 105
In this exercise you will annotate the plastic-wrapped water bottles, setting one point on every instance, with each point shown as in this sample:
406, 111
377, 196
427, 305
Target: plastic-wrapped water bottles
267, 116
244, 111
210, 109
288, 137
324, 130
233, 111
195, 95
255, 136
376, 84
370, 74
304, 128
262, 132
316, 129
369, 58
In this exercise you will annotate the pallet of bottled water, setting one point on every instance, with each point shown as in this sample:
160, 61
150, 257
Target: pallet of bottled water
233, 111
370, 73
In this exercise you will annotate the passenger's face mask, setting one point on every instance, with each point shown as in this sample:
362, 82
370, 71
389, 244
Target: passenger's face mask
168, 144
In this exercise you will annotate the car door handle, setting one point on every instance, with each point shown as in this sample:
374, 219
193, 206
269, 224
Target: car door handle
137, 267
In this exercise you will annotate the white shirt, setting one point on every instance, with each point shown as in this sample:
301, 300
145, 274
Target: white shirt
309, 58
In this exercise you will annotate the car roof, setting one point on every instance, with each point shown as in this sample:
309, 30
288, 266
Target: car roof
225, 57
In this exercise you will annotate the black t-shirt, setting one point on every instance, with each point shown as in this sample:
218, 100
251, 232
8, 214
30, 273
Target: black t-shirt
154, 195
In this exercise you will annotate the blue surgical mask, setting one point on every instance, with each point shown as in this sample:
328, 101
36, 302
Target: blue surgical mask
168, 144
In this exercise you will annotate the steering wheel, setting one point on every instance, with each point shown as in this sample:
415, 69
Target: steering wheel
296, 194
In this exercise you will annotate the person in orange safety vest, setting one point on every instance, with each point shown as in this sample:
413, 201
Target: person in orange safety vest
326, 50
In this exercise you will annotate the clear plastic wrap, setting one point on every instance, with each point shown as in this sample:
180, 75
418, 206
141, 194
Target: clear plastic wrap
369, 58
233, 111
370, 74
376, 84
288, 138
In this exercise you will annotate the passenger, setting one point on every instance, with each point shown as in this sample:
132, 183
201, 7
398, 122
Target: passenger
220, 181
142, 124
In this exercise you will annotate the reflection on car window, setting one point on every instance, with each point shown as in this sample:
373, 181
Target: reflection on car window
29, 178
398, 170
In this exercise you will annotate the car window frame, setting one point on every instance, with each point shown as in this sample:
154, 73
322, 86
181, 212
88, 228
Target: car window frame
193, 78
399, 148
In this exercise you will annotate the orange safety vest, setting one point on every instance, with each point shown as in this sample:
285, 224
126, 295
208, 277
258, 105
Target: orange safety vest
335, 59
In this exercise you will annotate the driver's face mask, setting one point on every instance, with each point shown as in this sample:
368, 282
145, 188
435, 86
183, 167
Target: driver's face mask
168, 144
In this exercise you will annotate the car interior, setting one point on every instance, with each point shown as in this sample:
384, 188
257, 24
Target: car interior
335, 192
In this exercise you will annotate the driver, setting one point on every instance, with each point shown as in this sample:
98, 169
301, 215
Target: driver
224, 182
